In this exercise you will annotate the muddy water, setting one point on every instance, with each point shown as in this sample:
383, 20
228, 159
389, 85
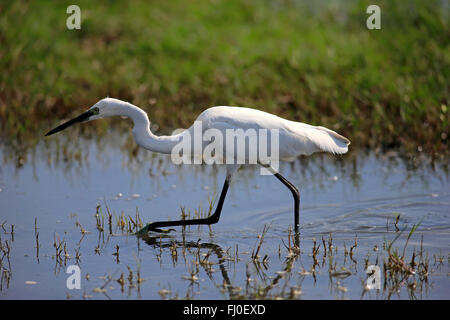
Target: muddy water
352, 206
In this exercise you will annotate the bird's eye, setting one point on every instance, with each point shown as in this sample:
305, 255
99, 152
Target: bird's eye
95, 110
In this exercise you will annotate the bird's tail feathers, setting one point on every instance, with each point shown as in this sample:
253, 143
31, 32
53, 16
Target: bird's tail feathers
332, 141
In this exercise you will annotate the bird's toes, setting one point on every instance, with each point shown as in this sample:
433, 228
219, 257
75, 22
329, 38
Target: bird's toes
161, 230
150, 227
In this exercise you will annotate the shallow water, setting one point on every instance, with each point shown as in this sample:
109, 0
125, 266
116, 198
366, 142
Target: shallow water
347, 201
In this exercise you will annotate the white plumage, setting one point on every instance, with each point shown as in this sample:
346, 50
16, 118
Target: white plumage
295, 138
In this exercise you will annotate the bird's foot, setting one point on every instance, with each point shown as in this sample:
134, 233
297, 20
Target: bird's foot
145, 230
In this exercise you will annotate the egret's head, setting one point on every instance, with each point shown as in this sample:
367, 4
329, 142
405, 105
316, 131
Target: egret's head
107, 107
102, 109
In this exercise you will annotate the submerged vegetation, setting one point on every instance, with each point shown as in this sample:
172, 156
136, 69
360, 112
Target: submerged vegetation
366, 213
311, 62
283, 268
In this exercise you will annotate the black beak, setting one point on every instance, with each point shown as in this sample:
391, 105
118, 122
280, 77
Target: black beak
82, 117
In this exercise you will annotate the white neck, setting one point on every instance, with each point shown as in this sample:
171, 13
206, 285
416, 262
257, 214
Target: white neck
141, 130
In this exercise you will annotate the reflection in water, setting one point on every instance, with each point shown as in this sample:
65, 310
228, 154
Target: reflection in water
200, 259
329, 261
72, 155
79, 203
222, 259
301, 268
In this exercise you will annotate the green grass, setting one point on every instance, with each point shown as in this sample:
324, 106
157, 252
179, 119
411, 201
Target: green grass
316, 63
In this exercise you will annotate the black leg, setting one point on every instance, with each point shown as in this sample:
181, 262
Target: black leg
214, 218
296, 195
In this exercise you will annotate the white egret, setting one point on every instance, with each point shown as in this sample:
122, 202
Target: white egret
295, 138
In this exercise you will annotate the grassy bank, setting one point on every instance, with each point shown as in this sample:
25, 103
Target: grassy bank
312, 63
